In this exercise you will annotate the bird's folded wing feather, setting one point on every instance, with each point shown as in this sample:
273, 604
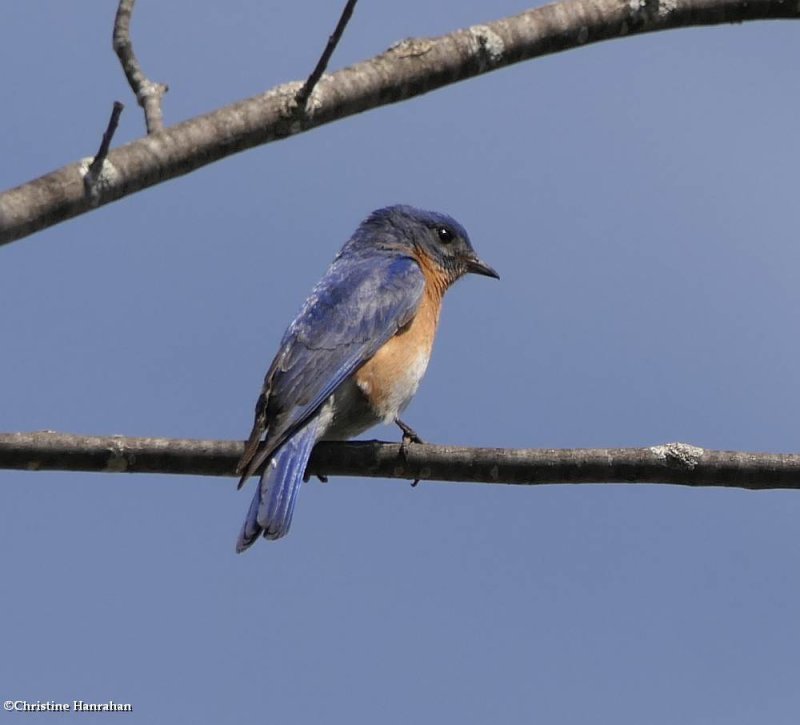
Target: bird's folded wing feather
355, 308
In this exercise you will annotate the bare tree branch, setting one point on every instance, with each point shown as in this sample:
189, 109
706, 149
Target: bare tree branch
148, 93
407, 69
304, 93
672, 463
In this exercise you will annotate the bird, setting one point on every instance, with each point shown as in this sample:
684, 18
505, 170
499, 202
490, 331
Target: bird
354, 355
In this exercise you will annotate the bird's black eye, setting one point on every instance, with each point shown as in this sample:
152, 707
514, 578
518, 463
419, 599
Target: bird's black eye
445, 235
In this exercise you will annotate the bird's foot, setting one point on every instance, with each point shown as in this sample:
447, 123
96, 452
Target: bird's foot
409, 436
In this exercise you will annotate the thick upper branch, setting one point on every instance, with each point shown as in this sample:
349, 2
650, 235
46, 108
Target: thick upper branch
408, 69
675, 463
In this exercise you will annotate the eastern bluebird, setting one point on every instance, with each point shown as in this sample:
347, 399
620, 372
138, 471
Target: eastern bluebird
355, 354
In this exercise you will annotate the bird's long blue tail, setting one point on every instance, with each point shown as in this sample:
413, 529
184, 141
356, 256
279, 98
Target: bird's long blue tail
270, 513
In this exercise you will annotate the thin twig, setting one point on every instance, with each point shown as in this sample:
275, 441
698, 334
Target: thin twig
406, 70
305, 92
672, 463
148, 93
96, 166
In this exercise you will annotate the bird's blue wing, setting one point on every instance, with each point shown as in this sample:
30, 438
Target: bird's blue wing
358, 305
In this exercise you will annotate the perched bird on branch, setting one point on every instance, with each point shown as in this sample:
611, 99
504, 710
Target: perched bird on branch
355, 354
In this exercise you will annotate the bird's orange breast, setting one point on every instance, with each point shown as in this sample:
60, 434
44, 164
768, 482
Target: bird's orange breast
391, 377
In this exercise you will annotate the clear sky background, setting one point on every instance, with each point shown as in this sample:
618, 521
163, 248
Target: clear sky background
640, 201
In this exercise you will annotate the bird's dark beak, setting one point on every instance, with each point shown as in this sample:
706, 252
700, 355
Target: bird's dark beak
478, 266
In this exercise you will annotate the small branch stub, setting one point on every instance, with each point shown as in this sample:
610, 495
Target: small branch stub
308, 87
95, 170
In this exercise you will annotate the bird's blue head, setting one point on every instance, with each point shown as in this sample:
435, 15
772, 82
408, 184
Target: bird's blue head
428, 236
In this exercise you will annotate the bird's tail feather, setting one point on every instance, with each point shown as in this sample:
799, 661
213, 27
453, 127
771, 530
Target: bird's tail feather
271, 510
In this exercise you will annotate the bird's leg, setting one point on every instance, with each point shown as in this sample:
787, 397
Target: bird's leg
409, 436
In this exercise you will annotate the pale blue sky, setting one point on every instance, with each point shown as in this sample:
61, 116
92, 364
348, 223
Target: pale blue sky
639, 199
